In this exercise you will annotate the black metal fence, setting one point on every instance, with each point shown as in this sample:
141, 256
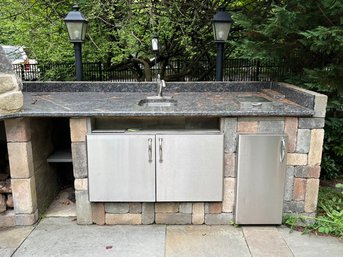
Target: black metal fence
234, 70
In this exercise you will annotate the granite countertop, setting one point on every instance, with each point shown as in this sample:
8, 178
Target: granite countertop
204, 100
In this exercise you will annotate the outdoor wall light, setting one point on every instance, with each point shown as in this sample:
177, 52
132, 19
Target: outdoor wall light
77, 26
221, 23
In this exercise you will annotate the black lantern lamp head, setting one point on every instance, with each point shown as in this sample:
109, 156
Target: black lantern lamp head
221, 25
76, 25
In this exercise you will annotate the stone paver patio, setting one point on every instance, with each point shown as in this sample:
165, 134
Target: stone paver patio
63, 237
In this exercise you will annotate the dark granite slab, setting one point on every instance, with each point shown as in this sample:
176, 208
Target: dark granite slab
216, 99
214, 104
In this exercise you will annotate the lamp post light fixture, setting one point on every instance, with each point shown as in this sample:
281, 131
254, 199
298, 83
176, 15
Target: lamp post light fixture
221, 23
77, 26
154, 44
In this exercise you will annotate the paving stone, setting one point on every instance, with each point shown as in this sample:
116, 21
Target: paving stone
123, 219
299, 189
20, 159
218, 219
148, 213
116, 207
303, 140
24, 195
291, 127
296, 159
83, 208
230, 165
98, 213
312, 245
78, 129
205, 241
198, 214
185, 208
79, 155
229, 194
288, 195
311, 196
316, 147
63, 237
135, 207
12, 238
18, 130
266, 242
229, 127
173, 218
311, 123
166, 207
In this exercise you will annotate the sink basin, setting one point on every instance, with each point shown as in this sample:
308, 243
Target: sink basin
158, 101
255, 102
252, 99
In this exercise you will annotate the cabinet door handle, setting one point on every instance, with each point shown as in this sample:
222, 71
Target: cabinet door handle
283, 150
150, 149
160, 140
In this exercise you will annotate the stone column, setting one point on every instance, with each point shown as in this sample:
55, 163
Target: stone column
78, 131
18, 133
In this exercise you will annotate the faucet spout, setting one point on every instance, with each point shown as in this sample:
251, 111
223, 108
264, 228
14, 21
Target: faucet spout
160, 85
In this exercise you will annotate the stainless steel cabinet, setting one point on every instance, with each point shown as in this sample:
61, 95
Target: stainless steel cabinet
121, 168
145, 168
189, 167
260, 179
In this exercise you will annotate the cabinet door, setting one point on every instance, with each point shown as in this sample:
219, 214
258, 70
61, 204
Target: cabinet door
189, 167
260, 179
121, 167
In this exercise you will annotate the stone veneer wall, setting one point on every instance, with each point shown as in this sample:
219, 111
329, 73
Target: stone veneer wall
305, 142
45, 175
34, 185
18, 133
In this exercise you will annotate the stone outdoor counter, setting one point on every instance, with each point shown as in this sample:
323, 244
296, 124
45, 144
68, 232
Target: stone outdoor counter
55, 112
193, 99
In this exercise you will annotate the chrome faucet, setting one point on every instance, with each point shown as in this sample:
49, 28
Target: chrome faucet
160, 85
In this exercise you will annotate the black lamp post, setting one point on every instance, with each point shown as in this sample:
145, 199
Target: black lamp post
77, 26
221, 27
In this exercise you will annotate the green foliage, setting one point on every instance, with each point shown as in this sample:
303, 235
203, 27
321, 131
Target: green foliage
119, 32
332, 161
308, 34
329, 219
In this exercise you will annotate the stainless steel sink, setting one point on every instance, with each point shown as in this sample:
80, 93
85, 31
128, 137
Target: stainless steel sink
158, 101
252, 99
255, 102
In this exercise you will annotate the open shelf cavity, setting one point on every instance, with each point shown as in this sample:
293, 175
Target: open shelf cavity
146, 124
